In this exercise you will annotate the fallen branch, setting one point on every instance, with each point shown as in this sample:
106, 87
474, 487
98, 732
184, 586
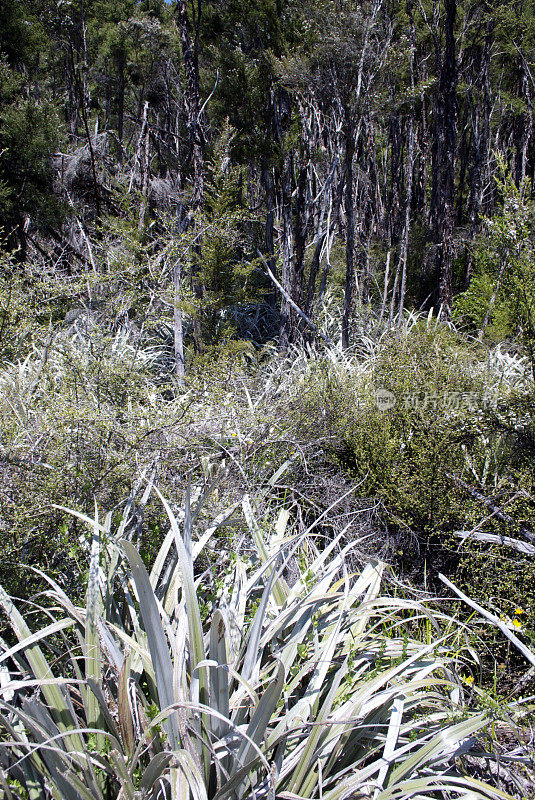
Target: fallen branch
494, 538
497, 512
295, 307
491, 618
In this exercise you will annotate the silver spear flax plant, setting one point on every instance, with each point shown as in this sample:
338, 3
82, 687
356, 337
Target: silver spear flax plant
319, 689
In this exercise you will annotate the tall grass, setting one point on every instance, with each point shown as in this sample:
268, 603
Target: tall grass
322, 688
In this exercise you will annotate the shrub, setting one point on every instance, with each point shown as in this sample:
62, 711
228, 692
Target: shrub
325, 688
437, 431
77, 416
404, 451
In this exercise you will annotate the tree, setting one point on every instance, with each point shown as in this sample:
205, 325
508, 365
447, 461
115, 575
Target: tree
444, 156
28, 133
501, 297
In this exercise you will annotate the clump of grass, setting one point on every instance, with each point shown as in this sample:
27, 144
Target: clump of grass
325, 688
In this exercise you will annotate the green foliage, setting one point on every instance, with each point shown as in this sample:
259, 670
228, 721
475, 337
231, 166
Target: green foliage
226, 270
500, 300
17, 315
471, 306
165, 704
239, 41
29, 134
85, 406
218, 276
450, 445
404, 453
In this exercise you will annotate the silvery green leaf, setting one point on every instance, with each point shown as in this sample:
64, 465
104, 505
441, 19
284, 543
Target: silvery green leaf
158, 645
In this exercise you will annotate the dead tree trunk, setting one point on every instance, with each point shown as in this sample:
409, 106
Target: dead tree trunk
287, 251
192, 101
481, 138
267, 180
302, 213
404, 248
523, 123
321, 240
349, 141
408, 179
144, 162
190, 56
444, 151
178, 328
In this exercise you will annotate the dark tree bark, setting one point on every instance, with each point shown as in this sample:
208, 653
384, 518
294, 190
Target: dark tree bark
80, 84
190, 57
480, 119
444, 152
267, 180
404, 245
269, 226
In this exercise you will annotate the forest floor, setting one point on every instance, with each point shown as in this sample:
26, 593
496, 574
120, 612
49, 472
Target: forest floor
413, 451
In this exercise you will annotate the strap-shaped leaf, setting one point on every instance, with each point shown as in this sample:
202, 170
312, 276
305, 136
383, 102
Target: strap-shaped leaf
124, 711
257, 728
192, 605
394, 727
192, 774
92, 645
253, 643
54, 627
158, 645
41, 670
444, 743
38, 721
156, 766
196, 639
311, 743
219, 682
279, 590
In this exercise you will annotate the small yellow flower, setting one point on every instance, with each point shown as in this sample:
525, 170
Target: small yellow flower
469, 679
519, 611
517, 623
503, 618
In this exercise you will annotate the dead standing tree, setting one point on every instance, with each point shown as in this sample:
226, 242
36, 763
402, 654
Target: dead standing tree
349, 52
190, 56
193, 112
480, 99
400, 280
444, 157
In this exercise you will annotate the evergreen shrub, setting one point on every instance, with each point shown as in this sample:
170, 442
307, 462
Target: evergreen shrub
423, 427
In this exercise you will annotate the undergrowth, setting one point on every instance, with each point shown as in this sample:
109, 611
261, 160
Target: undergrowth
322, 687
425, 437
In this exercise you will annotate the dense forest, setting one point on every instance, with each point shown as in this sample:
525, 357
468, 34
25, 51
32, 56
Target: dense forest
267, 399
353, 147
